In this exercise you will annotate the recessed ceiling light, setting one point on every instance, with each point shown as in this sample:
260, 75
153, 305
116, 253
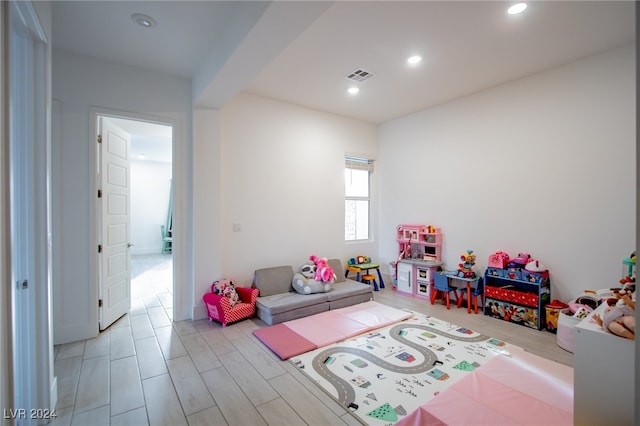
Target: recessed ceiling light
141, 157
143, 20
517, 8
353, 90
414, 59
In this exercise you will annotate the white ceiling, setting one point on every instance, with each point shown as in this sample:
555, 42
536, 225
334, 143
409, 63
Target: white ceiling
301, 52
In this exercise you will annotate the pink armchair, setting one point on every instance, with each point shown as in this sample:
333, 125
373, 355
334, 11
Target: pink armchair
219, 308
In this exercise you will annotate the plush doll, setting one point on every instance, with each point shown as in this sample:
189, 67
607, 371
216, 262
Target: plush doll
227, 289
324, 272
304, 281
619, 319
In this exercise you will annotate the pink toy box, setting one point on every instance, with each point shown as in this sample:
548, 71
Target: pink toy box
498, 260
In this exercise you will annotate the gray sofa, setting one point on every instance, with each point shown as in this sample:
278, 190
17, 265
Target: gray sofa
279, 302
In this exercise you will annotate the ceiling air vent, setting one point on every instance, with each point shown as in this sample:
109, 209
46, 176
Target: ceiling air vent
360, 75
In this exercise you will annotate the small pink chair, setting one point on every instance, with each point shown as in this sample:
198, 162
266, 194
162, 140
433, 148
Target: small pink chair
219, 308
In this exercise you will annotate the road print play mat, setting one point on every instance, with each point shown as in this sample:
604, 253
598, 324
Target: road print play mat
385, 374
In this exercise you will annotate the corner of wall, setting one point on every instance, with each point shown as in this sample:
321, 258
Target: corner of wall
199, 311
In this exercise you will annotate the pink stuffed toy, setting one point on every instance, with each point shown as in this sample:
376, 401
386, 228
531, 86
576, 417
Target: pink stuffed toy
324, 272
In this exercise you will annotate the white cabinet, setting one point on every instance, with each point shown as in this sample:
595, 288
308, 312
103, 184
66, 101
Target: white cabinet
404, 277
415, 277
604, 372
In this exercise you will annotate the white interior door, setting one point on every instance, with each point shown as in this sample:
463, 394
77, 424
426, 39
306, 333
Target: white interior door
115, 210
28, 243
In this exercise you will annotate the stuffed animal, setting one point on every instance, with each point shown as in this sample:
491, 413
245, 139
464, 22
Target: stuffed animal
227, 289
304, 281
324, 272
619, 319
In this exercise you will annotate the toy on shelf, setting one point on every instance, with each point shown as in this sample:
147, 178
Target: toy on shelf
465, 269
629, 265
498, 260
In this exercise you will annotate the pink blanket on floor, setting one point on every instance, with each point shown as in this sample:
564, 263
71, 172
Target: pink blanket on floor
298, 336
523, 389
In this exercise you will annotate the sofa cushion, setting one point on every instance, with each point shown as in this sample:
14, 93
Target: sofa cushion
273, 280
291, 315
336, 265
289, 301
349, 288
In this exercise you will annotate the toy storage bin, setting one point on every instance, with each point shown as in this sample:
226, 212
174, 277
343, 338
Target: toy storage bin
553, 313
513, 271
497, 292
534, 277
513, 313
566, 329
496, 272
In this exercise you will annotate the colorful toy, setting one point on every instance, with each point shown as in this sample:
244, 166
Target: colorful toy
468, 262
498, 260
304, 281
522, 259
324, 272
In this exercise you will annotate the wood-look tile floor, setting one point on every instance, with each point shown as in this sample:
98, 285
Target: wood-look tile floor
148, 370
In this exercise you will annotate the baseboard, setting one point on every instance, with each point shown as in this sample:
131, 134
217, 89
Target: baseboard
200, 312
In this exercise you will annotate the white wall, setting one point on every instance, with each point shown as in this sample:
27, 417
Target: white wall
282, 180
150, 189
207, 184
81, 85
544, 165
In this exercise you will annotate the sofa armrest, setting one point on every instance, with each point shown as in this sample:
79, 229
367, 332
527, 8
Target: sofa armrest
248, 295
217, 306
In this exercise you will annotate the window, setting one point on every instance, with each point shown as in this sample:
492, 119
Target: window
357, 198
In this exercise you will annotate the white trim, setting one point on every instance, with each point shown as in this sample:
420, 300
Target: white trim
178, 251
6, 346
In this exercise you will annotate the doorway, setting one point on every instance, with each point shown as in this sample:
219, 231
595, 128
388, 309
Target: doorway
148, 256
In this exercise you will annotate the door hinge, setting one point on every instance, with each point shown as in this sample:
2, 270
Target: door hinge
99, 138
99, 193
99, 303
99, 248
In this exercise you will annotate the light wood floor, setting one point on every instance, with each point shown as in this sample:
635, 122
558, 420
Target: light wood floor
148, 370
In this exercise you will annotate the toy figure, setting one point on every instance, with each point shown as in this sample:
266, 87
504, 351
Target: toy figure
324, 272
465, 268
